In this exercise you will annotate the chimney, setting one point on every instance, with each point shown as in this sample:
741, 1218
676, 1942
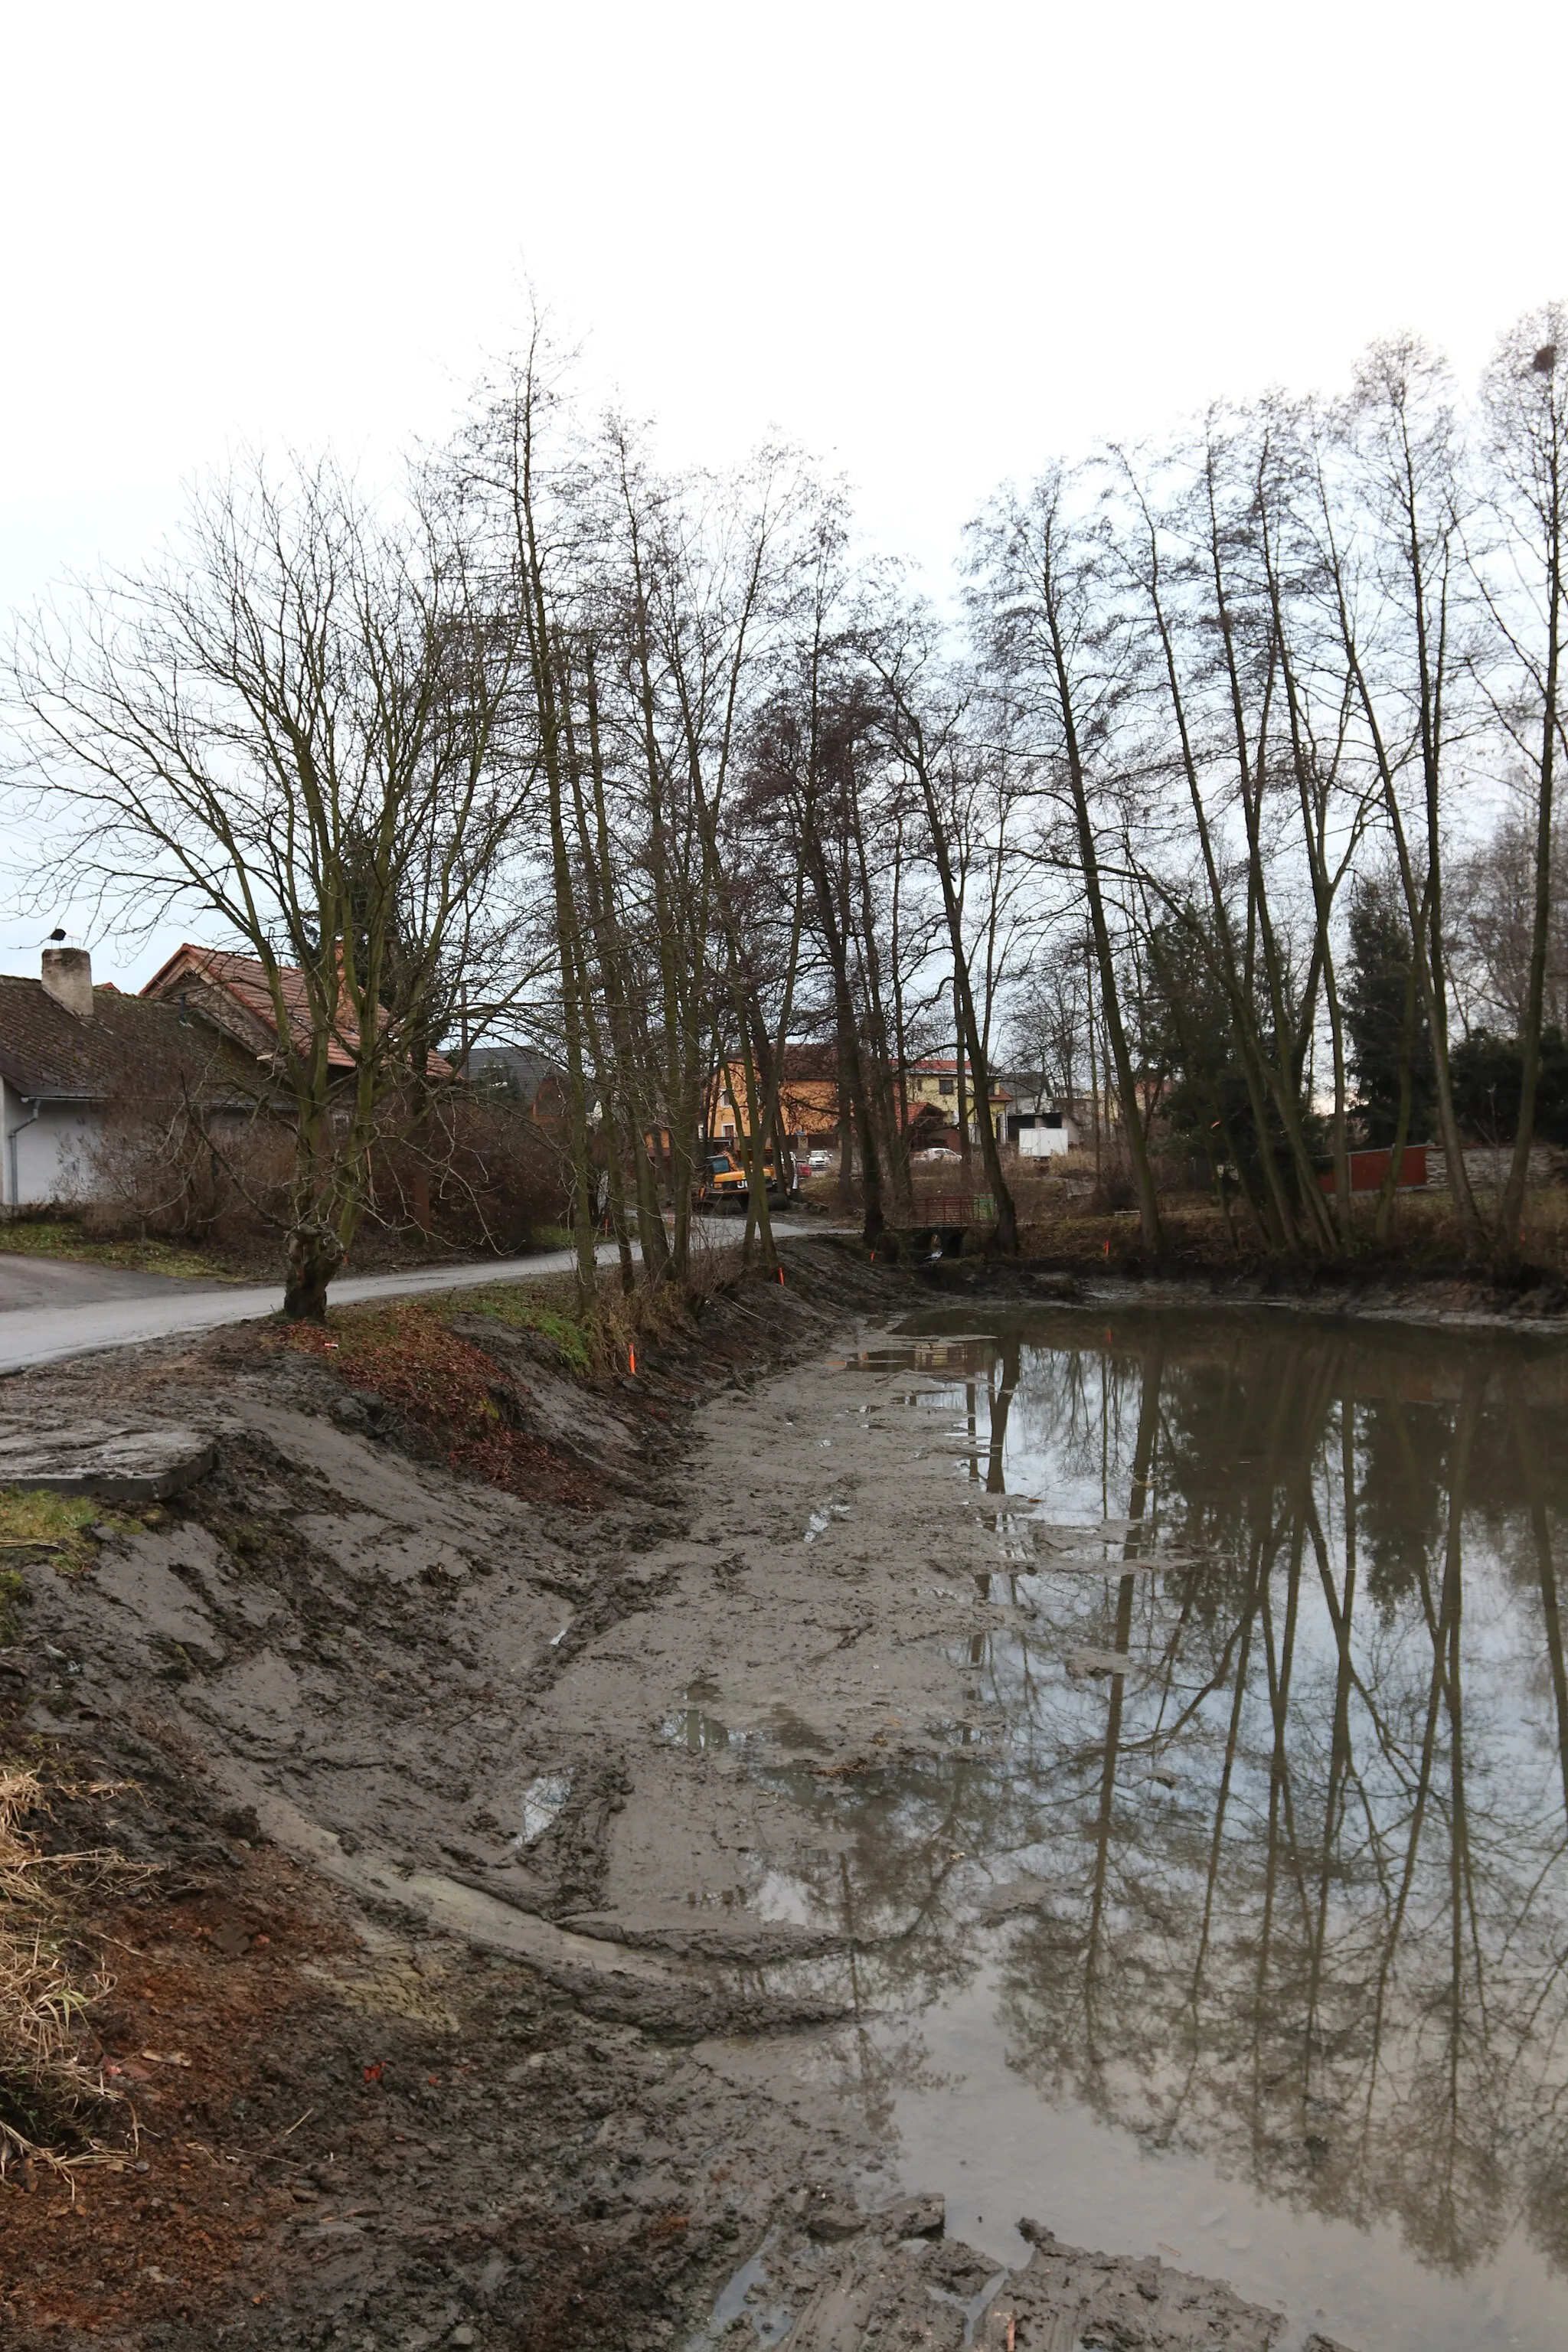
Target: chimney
68, 978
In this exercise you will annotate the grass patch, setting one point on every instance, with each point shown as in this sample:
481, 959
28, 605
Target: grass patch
59, 1237
527, 1310
36, 1524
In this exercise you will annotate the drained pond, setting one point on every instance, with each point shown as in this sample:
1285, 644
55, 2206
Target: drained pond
1232, 1919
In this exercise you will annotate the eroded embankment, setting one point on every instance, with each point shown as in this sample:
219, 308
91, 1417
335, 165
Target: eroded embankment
1449, 1297
481, 1989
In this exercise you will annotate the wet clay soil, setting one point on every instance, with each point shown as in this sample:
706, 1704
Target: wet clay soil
629, 1925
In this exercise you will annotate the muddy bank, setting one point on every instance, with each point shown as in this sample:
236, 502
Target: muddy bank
486, 1986
1537, 1302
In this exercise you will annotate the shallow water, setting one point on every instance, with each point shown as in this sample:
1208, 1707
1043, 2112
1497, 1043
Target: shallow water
1234, 1921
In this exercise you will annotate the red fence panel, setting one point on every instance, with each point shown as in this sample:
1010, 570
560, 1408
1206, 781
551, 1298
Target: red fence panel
1368, 1168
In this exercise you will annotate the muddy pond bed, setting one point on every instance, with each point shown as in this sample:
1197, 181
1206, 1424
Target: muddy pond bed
1014, 1826
1230, 1920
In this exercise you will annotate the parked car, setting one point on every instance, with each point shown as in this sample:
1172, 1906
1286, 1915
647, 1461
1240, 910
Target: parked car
938, 1152
817, 1163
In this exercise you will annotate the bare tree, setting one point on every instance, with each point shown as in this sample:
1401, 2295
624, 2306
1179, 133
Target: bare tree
1063, 661
1524, 400
289, 729
925, 722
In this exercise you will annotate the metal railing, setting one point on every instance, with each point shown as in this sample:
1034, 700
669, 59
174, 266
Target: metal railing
955, 1209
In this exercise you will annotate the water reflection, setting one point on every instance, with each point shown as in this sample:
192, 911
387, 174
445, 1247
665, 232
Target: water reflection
1281, 1871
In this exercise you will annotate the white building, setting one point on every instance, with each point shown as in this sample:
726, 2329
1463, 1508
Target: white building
1041, 1134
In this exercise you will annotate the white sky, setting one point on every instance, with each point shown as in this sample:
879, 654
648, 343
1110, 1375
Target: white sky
936, 246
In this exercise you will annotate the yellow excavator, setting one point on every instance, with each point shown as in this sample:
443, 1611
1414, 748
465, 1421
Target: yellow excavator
722, 1177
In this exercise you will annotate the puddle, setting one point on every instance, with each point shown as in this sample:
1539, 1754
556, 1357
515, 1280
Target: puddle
746, 2297
1237, 1920
695, 1726
543, 1800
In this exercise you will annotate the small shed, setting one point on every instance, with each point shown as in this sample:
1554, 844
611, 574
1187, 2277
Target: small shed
1369, 1168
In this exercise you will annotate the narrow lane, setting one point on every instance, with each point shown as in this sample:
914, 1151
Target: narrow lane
128, 1307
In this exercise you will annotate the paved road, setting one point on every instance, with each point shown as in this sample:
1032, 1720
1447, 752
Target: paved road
66, 1282
43, 1319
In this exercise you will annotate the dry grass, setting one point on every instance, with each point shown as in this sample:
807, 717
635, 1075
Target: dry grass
52, 2085
1425, 1239
622, 1320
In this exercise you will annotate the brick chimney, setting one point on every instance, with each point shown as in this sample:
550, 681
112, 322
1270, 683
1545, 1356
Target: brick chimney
67, 977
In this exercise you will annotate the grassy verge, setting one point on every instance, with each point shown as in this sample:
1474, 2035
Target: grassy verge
59, 1237
36, 1525
404, 1351
375, 1252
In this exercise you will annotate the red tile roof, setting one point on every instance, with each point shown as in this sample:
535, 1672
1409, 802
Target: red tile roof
243, 982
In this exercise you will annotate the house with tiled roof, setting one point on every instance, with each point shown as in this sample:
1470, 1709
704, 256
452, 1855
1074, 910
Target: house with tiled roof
808, 1098
235, 995
931, 1088
205, 1023
69, 1052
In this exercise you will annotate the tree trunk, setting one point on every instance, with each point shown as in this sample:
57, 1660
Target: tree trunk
315, 1254
969, 1039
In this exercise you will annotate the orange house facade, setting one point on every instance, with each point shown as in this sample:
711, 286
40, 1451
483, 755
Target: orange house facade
808, 1098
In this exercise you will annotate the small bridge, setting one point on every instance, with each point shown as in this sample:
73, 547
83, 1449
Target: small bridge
948, 1216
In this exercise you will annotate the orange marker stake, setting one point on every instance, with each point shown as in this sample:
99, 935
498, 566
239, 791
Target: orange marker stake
631, 1359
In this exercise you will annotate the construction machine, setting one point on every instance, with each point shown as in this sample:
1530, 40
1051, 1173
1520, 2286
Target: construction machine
722, 1180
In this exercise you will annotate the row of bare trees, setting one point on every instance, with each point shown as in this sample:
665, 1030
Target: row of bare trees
658, 772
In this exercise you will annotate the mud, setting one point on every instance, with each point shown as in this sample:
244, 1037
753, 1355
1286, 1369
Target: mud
483, 1850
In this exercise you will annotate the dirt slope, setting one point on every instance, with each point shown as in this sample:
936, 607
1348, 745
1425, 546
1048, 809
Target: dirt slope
452, 2010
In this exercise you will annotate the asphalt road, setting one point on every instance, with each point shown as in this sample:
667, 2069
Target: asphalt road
53, 1307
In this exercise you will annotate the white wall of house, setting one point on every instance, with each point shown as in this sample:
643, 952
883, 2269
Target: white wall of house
44, 1158
1041, 1135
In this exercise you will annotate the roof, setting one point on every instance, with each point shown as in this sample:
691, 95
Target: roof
521, 1070
49, 1055
804, 1062
238, 997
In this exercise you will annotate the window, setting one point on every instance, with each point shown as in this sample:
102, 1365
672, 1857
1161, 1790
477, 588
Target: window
1051, 1118
947, 1085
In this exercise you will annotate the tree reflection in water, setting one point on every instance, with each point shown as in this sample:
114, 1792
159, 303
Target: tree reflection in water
1296, 1887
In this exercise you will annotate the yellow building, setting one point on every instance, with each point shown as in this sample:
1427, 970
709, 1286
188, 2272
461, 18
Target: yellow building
933, 1085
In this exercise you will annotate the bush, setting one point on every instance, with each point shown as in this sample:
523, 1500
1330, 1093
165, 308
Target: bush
481, 1180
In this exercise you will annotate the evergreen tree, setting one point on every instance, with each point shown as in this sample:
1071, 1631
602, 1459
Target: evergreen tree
1390, 1043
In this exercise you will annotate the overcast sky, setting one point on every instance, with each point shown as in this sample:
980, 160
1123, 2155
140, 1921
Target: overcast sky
937, 245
